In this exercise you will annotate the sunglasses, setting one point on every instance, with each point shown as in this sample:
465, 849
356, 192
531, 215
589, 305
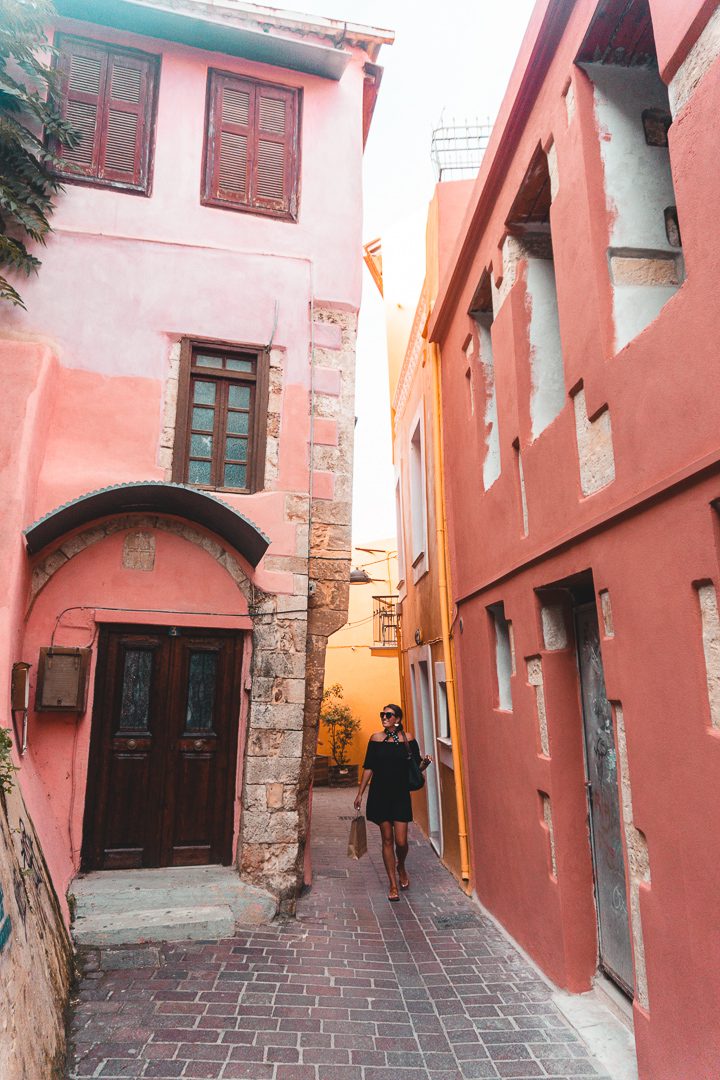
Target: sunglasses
388, 716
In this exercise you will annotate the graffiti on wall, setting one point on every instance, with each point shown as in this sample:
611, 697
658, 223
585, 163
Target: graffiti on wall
5, 925
27, 876
30, 863
20, 895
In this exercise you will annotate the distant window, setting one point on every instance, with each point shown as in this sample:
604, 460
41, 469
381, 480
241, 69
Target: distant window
222, 406
481, 312
418, 500
530, 219
632, 110
400, 534
252, 147
109, 97
443, 713
504, 665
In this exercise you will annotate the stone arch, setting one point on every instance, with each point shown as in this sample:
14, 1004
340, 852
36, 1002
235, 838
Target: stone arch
47, 567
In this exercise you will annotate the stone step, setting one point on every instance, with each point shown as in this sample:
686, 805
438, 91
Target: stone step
119, 907
248, 906
154, 924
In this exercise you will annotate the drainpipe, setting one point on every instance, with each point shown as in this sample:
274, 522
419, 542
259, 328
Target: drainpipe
444, 589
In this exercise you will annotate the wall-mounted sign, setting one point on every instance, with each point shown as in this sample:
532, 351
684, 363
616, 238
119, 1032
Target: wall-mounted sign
62, 680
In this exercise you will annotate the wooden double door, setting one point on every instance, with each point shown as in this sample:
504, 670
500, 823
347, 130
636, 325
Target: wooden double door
163, 750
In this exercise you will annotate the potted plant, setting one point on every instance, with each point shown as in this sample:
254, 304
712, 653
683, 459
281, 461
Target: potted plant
342, 727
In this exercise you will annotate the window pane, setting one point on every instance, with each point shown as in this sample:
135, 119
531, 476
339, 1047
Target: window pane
236, 449
203, 419
135, 704
201, 691
238, 423
235, 476
201, 446
239, 396
199, 472
203, 360
236, 363
204, 393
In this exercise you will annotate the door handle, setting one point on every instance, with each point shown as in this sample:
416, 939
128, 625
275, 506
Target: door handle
198, 744
131, 744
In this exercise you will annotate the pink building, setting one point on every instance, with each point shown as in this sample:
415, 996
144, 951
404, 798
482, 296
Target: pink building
176, 441
577, 325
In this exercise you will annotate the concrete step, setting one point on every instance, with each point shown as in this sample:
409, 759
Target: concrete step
119, 907
155, 924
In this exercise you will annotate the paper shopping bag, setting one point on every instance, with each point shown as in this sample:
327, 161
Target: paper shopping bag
357, 844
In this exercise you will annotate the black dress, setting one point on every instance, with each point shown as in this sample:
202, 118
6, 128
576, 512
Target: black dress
389, 795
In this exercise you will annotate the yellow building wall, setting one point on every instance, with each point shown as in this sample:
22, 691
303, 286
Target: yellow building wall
369, 677
412, 394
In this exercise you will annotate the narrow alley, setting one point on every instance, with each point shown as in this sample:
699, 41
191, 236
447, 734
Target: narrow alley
359, 371
354, 989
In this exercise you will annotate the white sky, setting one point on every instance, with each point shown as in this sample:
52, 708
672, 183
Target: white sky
450, 61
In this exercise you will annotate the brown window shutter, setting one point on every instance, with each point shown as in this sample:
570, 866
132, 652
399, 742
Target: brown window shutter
275, 149
252, 147
83, 73
229, 140
108, 95
128, 99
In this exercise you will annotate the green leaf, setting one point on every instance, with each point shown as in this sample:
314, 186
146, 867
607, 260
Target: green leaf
29, 114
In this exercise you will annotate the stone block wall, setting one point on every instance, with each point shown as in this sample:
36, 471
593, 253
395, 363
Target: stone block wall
35, 954
291, 631
330, 545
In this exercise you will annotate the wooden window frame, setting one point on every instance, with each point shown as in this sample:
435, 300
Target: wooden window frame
143, 186
209, 196
183, 427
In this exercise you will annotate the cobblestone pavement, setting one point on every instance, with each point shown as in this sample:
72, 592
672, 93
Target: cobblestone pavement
354, 989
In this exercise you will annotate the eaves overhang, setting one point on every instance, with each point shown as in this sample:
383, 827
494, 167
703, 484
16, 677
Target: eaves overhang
235, 30
153, 496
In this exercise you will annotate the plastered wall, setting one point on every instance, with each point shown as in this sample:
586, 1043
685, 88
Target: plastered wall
619, 491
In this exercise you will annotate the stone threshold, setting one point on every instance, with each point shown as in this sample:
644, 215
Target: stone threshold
190, 903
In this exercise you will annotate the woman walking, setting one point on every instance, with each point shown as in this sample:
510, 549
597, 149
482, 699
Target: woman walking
388, 804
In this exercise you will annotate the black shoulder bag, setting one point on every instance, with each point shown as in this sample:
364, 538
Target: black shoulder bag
415, 774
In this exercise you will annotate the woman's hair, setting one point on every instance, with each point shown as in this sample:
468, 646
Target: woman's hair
396, 709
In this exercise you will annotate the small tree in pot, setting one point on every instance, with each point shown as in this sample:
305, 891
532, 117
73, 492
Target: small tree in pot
342, 727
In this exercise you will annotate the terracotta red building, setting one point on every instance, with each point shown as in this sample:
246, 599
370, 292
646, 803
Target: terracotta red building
578, 332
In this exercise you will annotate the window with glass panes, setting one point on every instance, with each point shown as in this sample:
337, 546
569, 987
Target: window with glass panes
220, 394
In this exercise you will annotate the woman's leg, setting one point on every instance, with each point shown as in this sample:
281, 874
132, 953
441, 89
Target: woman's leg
386, 830
401, 850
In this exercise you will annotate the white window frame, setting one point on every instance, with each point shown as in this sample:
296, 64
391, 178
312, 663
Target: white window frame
418, 655
442, 712
418, 497
400, 529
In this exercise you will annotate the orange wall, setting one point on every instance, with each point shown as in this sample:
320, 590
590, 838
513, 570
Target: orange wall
369, 678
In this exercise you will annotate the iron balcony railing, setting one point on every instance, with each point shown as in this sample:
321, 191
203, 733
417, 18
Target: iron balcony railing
386, 620
457, 149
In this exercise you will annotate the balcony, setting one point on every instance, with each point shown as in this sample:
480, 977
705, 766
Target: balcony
386, 622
